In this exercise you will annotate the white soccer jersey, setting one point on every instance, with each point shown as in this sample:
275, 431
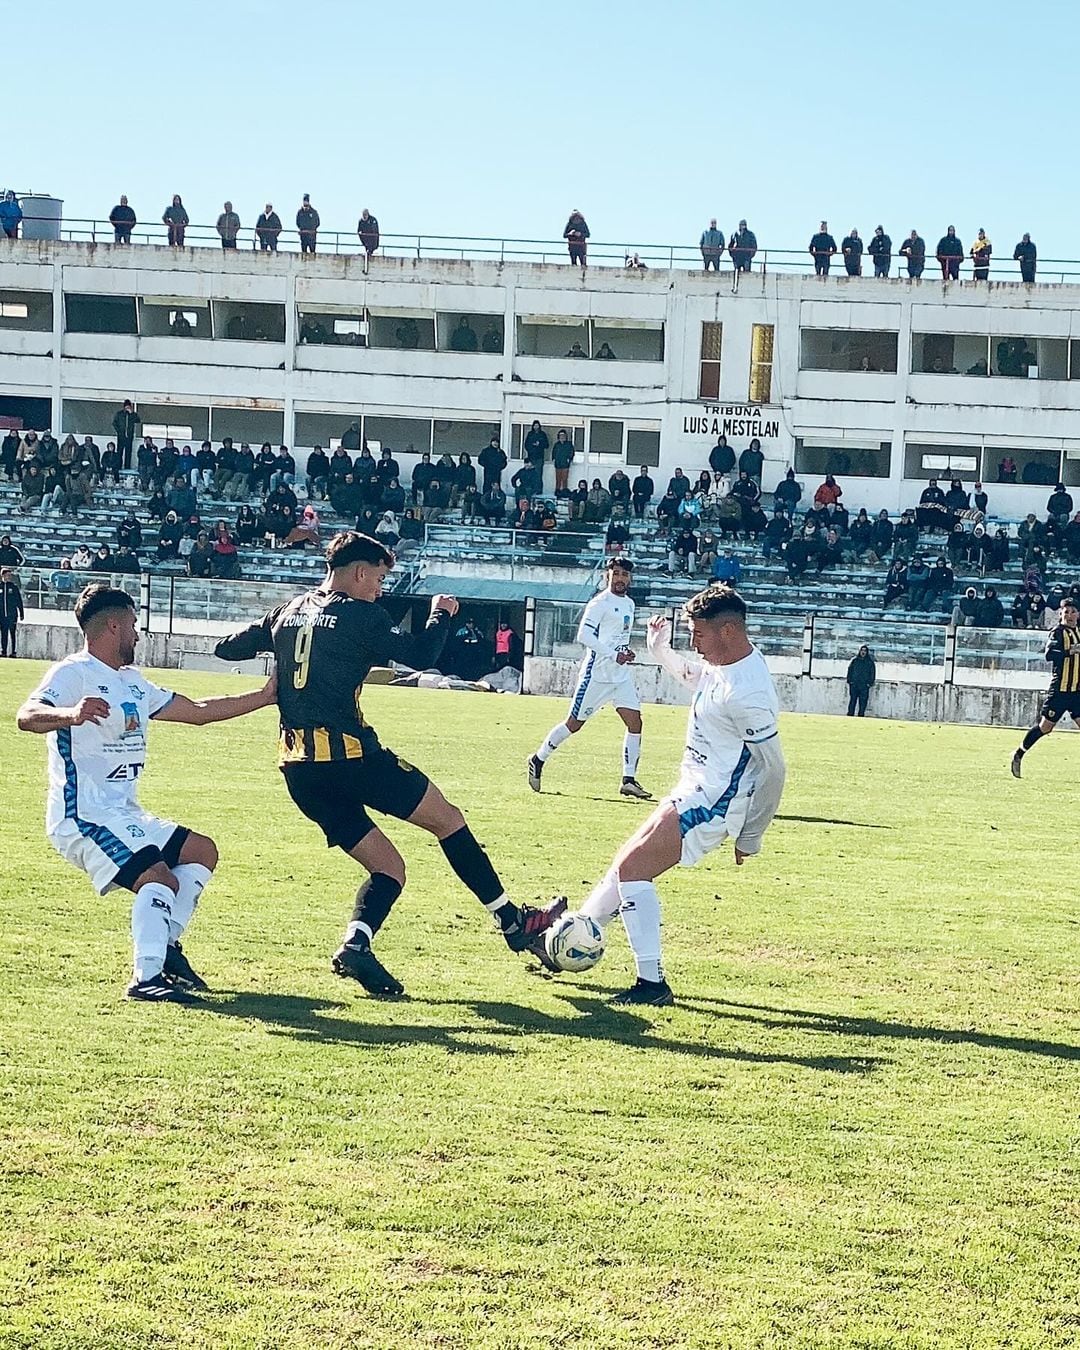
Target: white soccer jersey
606, 625
94, 770
733, 707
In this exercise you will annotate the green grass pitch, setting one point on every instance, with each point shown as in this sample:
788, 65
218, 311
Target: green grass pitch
857, 1128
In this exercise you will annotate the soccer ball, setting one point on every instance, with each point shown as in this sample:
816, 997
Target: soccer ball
574, 942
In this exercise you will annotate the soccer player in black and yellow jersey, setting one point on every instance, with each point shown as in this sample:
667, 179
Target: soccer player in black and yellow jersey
325, 642
1063, 696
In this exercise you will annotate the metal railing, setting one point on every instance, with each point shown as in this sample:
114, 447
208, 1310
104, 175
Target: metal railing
462, 248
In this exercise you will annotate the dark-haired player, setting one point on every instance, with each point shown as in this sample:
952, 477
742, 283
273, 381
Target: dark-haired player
729, 784
325, 643
1063, 696
94, 707
604, 631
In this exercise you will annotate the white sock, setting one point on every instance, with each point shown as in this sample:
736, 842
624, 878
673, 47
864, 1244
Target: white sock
357, 926
640, 913
150, 928
192, 879
603, 902
631, 753
555, 738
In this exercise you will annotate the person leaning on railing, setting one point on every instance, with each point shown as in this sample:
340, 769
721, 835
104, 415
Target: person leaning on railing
913, 250
712, 246
268, 228
950, 252
741, 248
176, 218
122, 219
1026, 254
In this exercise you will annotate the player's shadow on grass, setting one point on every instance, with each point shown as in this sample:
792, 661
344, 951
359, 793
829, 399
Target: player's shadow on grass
828, 820
840, 1024
490, 1028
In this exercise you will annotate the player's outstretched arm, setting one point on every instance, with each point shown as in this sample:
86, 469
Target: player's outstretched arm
684, 668
770, 771
247, 642
417, 650
198, 712
40, 717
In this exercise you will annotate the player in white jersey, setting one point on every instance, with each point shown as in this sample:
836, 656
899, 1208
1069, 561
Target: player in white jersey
730, 780
604, 631
94, 707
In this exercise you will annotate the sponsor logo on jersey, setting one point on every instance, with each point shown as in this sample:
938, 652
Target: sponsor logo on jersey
131, 719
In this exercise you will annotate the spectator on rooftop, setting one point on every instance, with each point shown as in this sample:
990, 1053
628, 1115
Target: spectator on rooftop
751, 461
980, 256
895, 582
721, 456
641, 493
1060, 504
122, 219
861, 678
176, 218
949, 253
536, 444
228, 226
1025, 253
829, 493
913, 249
881, 251
822, 248
307, 222
562, 456
576, 234
851, 247
268, 228
712, 246
367, 227
492, 459
633, 263
463, 338
741, 248
10, 215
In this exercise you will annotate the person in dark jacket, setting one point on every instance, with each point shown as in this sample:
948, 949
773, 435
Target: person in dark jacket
267, 229
247, 525
307, 222
11, 611
980, 256
851, 248
10, 554
367, 227
122, 219
492, 459
896, 585
881, 251
913, 249
562, 456
967, 607
881, 537
493, 504
576, 234
751, 461
950, 251
535, 445
956, 499
776, 534
526, 482
939, 586
822, 248
10, 215
316, 473
918, 578
787, 494
861, 678
931, 513
741, 248
1026, 254
712, 246
1060, 504
176, 218
641, 493
721, 456
989, 612
129, 533
422, 476
126, 424
860, 535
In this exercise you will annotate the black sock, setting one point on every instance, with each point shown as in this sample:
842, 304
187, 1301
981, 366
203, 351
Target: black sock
374, 900
1033, 735
473, 867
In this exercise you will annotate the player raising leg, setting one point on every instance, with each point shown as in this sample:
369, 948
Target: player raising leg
1063, 695
325, 643
729, 786
604, 632
93, 707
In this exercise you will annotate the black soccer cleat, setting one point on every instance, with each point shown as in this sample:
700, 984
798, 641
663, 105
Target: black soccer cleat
536, 770
632, 788
354, 960
1015, 765
538, 946
180, 970
527, 934
157, 989
645, 994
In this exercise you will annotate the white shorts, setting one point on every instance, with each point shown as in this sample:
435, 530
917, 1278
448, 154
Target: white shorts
102, 848
707, 816
600, 683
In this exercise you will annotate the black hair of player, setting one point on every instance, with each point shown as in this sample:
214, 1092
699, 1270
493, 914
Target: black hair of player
97, 599
351, 547
716, 602
624, 563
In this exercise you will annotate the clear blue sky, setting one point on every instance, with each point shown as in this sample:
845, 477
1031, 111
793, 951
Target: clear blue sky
497, 119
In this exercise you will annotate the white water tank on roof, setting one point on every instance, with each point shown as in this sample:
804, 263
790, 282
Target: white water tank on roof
41, 216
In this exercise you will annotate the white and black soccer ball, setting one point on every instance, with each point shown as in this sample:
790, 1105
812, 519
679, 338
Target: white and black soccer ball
574, 943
